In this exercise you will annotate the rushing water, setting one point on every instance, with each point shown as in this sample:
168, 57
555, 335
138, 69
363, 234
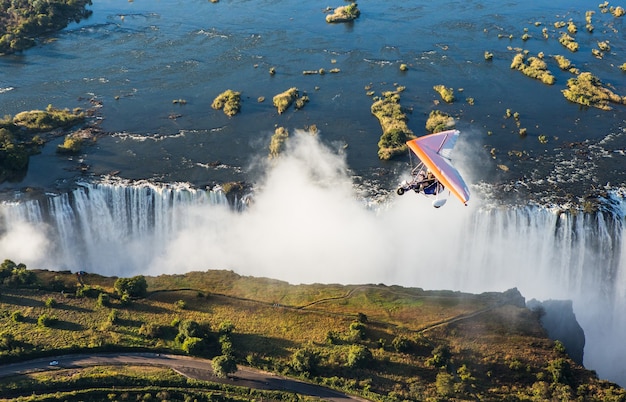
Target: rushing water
321, 216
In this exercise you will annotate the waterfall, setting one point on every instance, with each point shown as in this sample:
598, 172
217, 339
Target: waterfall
110, 228
123, 229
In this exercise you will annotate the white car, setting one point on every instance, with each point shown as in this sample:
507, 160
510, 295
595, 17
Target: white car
54, 363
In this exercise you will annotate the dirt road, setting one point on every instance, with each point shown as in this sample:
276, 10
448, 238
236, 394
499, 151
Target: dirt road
200, 369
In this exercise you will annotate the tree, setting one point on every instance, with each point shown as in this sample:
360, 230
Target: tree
305, 361
190, 329
444, 383
226, 327
357, 331
133, 287
440, 357
224, 365
194, 346
359, 356
401, 344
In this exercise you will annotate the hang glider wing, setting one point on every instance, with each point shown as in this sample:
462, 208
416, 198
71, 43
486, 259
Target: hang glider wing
434, 151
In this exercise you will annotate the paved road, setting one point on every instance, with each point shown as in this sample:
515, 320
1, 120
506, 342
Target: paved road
191, 367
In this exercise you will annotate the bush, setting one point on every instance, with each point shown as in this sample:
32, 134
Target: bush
114, 317
559, 370
440, 357
133, 287
50, 302
357, 331
89, 291
17, 316
194, 346
180, 304
226, 345
191, 329
16, 274
46, 320
226, 328
71, 145
104, 300
444, 384
224, 365
305, 361
359, 356
401, 344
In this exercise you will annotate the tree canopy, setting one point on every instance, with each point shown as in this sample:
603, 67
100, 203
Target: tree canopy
21, 21
133, 287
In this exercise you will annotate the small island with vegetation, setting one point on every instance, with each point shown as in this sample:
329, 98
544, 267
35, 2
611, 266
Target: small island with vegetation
229, 101
344, 13
392, 119
23, 21
24, 134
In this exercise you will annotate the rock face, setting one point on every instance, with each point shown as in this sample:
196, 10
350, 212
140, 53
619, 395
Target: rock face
559, 321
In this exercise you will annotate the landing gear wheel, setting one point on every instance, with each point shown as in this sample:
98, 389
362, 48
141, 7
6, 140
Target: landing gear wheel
400, 191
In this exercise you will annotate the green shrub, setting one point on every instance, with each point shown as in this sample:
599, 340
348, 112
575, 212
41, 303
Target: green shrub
104, 300
440, 357
226, 327
71, 145
133, 287
194, 346
17, 316
401, 344
91, 292
444, 384
357, 331
305, 361
226, 345
46, 320
359, 356
224, 365
439, 121
51, 302
559, 370
114, 316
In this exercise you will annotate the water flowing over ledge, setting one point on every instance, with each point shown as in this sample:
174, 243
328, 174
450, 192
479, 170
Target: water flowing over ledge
125, 228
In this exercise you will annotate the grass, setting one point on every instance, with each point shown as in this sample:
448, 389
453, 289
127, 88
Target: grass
497, 344
126, 383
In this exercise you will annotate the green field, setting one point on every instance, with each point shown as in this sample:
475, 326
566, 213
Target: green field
380, 342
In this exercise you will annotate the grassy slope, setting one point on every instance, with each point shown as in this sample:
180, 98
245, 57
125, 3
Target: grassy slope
496, 348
